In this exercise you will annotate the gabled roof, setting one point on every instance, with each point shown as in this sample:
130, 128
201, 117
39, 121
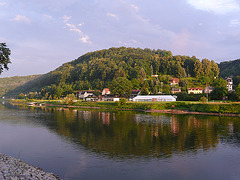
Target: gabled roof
195, 89
106, 90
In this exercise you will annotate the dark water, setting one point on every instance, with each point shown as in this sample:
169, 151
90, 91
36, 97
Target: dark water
77, 144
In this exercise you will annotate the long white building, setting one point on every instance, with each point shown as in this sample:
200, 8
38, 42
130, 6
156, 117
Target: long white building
158, 98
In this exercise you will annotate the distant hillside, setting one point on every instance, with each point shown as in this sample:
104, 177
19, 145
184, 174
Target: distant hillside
10, 83
96, 70
229, 68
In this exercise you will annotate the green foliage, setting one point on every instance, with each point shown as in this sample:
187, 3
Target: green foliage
4, 57
238, 92
121, 102
233, 108
121, 86
10, 83
183, 96
229, 68
21, 96
69, 99
220, 89
203, 99
97, 70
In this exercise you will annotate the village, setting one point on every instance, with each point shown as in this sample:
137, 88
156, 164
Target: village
136, 95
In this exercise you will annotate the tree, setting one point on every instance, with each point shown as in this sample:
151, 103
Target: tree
238, 91
198, 69
220, 89
121, 86
207, 67
69, 99
203, 99
21, 96
151, 70
166, 89
4, 57
142, 74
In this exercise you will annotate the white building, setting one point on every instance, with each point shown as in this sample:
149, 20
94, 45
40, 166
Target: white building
159, 98
84, 94
229, 84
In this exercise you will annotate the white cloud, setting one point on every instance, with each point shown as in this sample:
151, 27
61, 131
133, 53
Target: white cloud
234, 22
112, 15
45, 16
131, 42
216, 6
134, 7
21, 18
66, 18
72, 27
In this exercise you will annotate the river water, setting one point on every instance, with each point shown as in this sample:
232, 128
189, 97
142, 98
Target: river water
80, 144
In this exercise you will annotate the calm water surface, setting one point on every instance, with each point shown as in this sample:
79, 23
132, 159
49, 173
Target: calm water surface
77, 144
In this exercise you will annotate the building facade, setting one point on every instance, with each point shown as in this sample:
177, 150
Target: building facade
158, 98
229, 84
195, 90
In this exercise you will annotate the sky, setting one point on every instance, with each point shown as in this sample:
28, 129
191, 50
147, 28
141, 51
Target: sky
44, 34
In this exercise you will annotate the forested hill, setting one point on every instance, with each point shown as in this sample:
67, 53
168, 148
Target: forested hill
230, 68
96, 70
10, 83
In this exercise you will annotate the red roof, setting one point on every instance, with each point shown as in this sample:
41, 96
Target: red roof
175, 80
106, 90
195, 89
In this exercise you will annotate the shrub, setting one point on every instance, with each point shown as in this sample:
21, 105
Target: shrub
203, 99
70, 98
121, 102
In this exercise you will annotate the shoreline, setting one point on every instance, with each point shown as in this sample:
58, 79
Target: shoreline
213, 109
165, 111
178, 111
12, 168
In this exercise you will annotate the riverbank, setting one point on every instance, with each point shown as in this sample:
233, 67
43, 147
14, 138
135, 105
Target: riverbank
12, 168
213, 108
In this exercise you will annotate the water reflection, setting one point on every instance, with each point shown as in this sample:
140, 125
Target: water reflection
134, 134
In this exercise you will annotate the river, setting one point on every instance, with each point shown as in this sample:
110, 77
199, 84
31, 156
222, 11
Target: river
80, 144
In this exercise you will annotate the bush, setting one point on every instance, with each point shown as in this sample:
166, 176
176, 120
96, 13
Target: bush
70, 98
121, 102
203, 99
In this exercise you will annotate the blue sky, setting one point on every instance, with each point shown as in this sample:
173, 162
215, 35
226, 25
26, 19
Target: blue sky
44, 34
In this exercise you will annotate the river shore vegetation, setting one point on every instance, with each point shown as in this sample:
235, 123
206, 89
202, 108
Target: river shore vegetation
125, 69
178, 107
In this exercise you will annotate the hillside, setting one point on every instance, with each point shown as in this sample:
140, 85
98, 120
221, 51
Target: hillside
10, 83
96, 70
229, 68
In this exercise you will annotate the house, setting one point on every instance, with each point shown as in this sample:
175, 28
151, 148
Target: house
157, 98
84, 94
110, 98
208, 90
105, 91
229, 84
92, 97
195, 90
174, 82
154, 75
176, 90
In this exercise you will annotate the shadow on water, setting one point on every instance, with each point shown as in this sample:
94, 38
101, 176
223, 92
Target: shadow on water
129, 134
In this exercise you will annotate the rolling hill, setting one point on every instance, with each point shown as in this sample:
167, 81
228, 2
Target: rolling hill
96, 70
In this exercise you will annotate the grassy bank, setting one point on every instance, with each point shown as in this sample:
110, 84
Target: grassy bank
223, 108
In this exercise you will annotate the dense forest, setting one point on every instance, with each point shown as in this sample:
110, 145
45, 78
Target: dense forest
230, 69
10, 83
97, 70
